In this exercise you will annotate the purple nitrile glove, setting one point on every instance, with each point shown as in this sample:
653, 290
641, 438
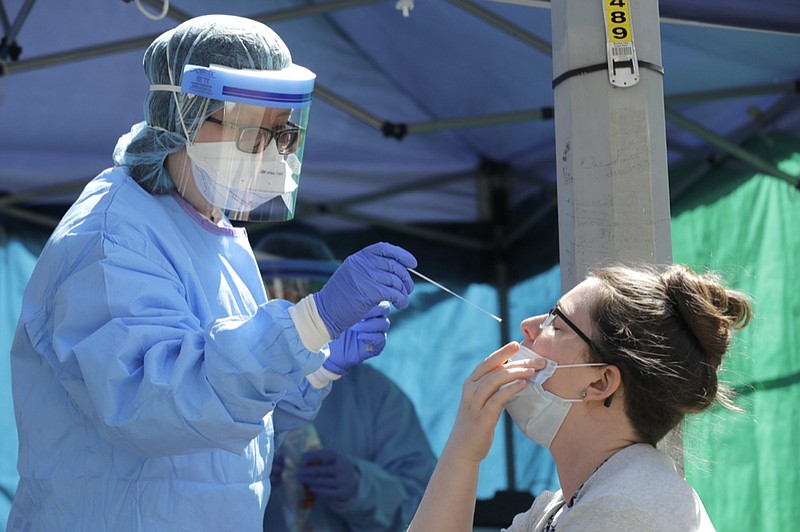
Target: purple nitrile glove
329, 474
364, 340
376, 273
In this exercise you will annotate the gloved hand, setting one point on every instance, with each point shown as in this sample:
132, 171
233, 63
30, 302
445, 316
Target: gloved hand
364, 340
275, 474
374, 274
329, 474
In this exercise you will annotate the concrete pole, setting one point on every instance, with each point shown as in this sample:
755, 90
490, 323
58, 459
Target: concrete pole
613, 188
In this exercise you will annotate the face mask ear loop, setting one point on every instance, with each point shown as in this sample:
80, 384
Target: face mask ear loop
583, 365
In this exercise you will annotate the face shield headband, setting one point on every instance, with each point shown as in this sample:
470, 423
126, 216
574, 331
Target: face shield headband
250, 168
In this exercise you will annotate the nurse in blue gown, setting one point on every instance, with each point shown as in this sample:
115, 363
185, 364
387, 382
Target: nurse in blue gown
150, 373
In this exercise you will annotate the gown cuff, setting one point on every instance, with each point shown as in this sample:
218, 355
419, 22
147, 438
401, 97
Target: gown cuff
321, 377
309, 325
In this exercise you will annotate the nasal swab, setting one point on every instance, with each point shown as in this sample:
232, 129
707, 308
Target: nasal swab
434, 283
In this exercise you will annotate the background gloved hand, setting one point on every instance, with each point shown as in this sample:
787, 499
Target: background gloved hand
329, 474
364, 340
374, 274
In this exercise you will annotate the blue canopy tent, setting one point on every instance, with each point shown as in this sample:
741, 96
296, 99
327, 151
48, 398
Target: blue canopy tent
413, 116
434, 128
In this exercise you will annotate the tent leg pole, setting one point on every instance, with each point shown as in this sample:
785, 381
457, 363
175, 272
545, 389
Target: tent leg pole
501, 272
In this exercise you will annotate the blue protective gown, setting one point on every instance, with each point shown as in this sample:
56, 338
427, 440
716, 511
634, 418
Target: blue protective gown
368, 418
149, 372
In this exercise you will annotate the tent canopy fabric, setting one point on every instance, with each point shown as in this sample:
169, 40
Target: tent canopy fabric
414, 118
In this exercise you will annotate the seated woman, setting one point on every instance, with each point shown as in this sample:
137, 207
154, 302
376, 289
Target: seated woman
639, 349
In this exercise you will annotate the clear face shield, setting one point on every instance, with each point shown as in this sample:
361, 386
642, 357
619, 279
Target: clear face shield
245, 158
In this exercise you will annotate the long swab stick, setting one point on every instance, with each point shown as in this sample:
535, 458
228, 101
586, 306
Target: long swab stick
434, 283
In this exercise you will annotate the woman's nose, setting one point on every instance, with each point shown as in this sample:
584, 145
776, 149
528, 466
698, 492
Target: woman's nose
530, 326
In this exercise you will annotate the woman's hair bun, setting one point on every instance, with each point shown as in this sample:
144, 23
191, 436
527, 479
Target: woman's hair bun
710, 311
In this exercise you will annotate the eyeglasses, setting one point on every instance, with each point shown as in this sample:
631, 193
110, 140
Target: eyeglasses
253, 139
551, 316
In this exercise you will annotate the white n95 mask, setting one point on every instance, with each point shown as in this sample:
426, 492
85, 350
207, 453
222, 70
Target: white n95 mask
237, 181
537, 412
250, 185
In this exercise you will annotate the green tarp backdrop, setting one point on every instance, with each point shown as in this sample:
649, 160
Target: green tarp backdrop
746, 466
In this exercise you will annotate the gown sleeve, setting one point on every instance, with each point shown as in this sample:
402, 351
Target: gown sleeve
122, 334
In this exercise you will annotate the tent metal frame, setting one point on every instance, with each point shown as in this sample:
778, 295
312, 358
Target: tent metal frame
8, 45
344, 209
673, 16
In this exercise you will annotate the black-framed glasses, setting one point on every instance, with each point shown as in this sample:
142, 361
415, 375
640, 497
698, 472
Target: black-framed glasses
551, 316
254, 139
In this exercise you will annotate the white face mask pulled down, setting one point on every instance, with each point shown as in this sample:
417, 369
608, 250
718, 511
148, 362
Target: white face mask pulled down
237, 181
537, 412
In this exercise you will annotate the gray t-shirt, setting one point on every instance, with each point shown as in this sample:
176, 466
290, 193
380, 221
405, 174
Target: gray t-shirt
638, 489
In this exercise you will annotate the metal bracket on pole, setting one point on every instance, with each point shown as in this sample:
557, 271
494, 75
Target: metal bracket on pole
623, 68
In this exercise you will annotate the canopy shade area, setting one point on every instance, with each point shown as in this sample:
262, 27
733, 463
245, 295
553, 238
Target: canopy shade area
435, 131
415, 119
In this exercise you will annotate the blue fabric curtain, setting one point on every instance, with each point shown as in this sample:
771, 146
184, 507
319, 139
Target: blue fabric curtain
17, 257
433, 346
